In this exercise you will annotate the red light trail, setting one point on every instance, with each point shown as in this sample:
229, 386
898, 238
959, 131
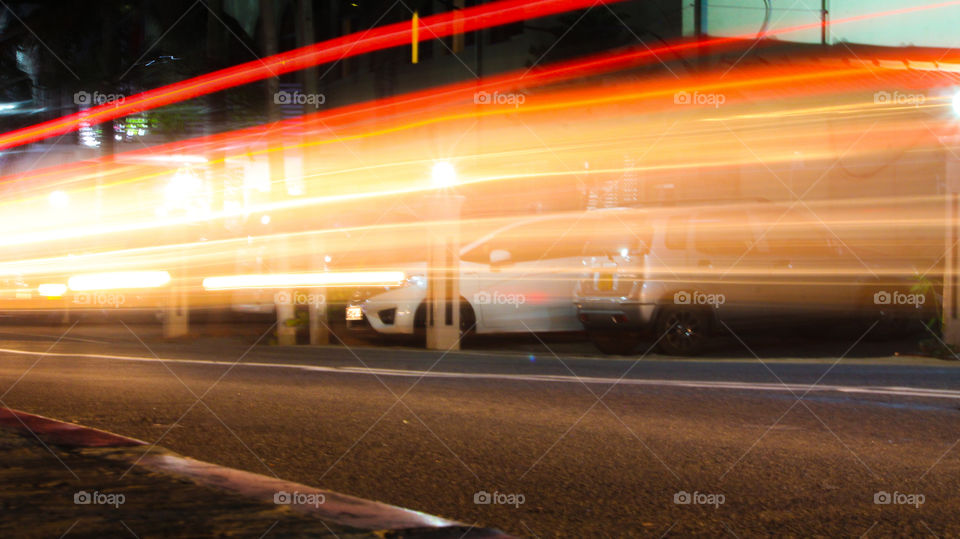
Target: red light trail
374, 39
436, 26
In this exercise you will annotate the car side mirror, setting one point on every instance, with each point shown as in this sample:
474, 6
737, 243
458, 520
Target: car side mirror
499, 257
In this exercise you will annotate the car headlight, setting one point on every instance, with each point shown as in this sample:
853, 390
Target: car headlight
419, 281
362, 294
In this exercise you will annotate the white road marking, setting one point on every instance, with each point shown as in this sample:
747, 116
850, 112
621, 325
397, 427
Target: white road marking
898, 391
53, 337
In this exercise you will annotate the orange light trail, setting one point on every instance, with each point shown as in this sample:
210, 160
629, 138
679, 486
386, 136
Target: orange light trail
784, 133
392, 35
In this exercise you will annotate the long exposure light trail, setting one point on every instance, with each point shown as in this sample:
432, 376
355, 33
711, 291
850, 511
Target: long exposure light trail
290, 280
392, 35
779, 130
834, 76
118, 280
436, 26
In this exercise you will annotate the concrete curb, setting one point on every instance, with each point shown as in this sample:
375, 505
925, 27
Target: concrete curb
335, 507
62, 433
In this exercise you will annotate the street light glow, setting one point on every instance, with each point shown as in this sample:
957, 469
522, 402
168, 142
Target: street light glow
443, 174
59, 199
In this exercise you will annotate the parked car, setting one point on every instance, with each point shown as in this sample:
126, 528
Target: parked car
517, 279
679, 274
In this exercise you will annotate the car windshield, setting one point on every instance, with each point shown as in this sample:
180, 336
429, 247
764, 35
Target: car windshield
616, 234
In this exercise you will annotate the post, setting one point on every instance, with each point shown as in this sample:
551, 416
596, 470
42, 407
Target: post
284, 299
415, 39
823, 22
699, 16
317, 305
443, 271
319, 334
176, 316
176, 319
951, 303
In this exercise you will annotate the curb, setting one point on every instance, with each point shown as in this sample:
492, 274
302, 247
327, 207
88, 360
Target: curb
337, 508
62, 433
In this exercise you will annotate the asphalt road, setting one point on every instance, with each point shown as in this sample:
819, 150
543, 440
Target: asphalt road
594, 447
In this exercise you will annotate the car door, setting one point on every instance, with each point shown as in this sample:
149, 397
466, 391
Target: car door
725, 262
810, 269
532, 269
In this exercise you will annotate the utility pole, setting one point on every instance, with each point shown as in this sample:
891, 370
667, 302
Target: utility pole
286, 335
443, 261
951, 301
824, 13
317, 303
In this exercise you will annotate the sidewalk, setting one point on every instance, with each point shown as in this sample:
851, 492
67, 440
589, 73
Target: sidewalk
63, 480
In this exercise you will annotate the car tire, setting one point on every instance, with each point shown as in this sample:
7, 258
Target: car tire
468, 319
616, 343
682, 331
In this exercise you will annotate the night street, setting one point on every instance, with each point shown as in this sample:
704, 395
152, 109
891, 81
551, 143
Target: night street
590, 457
480, 269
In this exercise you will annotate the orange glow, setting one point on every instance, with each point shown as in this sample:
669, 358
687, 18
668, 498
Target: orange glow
213, 206
292, 280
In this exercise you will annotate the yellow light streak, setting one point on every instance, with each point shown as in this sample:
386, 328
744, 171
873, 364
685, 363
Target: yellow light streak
293, 280
118, 280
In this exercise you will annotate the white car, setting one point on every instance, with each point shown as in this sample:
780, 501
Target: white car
681, 274
517, 279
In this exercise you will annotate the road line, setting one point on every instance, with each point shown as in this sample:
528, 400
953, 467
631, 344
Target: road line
898, 391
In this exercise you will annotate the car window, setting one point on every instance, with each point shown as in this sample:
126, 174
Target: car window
478, 255
724, 234
550, 238
675, 236
796, 240
564, 237
615, 233
524, 242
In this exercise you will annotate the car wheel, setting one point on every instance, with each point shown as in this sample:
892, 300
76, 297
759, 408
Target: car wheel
621, 343
682, 332
468, 321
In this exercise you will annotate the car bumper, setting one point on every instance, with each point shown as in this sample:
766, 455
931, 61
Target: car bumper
389, 318
603, 313
359, 326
